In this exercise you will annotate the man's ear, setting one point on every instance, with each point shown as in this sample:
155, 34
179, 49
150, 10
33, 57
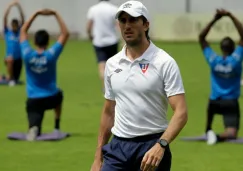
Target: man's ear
146, 26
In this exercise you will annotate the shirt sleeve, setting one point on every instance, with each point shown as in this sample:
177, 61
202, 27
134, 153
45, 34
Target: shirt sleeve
238, 54
90, 14
26, 49
209, 55
173, 83
55, 51
109, 94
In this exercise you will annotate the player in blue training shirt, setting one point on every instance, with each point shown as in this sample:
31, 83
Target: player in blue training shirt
225, 80
40, 64
13, 59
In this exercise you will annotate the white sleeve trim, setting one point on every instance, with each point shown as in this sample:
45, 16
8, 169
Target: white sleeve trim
175, 93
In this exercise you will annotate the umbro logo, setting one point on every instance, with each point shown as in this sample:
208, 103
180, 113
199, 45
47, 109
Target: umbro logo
128, 5
118, 70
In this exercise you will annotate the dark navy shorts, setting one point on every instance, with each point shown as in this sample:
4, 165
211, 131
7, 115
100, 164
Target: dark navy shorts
126, 154
229, 109
36, 108
104, 53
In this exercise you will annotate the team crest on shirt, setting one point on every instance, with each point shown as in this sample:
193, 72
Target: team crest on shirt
144, 67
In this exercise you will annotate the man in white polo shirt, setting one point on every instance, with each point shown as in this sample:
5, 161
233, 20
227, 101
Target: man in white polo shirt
140, 81
101, 29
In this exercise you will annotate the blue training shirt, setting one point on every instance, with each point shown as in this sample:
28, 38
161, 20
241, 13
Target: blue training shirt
12, 43
225, 73
41, 70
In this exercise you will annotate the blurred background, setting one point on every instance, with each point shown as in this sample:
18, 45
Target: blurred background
175, 25
171, 19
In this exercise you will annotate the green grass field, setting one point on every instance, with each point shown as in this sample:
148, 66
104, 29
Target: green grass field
78, 77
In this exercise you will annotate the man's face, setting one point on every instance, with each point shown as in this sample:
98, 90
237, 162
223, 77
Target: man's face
132, 28
15, 26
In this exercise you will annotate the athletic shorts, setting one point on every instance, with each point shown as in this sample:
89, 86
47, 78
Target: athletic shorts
104, 53
123, 154
229, 109
36, 108
17, 67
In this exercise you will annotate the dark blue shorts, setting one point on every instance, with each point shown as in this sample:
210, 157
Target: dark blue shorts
104, 53
127, 154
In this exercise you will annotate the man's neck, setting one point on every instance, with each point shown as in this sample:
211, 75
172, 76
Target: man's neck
134, 52
40, 50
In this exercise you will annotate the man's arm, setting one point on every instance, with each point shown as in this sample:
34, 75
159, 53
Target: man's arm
173, 86
6, 14
202, 36
89, 29
154, 156
238, 26
26, 26
62, 39
21, 12
178, 120
25, 46
90, 22
106, 123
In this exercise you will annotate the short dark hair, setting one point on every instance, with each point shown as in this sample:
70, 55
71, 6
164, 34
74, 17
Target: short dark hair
15, 21
227, 45
146, 32
41, 38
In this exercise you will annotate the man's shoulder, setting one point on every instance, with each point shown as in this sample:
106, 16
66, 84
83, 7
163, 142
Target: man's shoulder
162, 57
101, 6
114, 59
29, 55
92, 8
113, 6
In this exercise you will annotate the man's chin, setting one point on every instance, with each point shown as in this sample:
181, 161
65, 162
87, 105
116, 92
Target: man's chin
131, 42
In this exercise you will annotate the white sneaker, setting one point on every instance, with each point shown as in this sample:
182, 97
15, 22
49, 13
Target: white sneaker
12, 83
56, 131
32, 134
211, 138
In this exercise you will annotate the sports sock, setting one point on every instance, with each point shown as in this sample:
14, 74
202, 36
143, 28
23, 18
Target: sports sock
57, 123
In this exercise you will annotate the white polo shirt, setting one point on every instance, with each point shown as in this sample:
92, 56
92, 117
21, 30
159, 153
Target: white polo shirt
104, 24
141, 89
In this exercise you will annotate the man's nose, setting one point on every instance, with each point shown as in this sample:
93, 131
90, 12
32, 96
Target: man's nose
127, 25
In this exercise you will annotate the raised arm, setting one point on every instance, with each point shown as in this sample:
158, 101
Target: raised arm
62, 39
237, 24
21, 12
202, 36
26, 26
6, 14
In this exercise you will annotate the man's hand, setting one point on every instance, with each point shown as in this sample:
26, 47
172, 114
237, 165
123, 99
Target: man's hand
152, 158
222, 12
15, 2
217, 15
96, 166
46, 12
